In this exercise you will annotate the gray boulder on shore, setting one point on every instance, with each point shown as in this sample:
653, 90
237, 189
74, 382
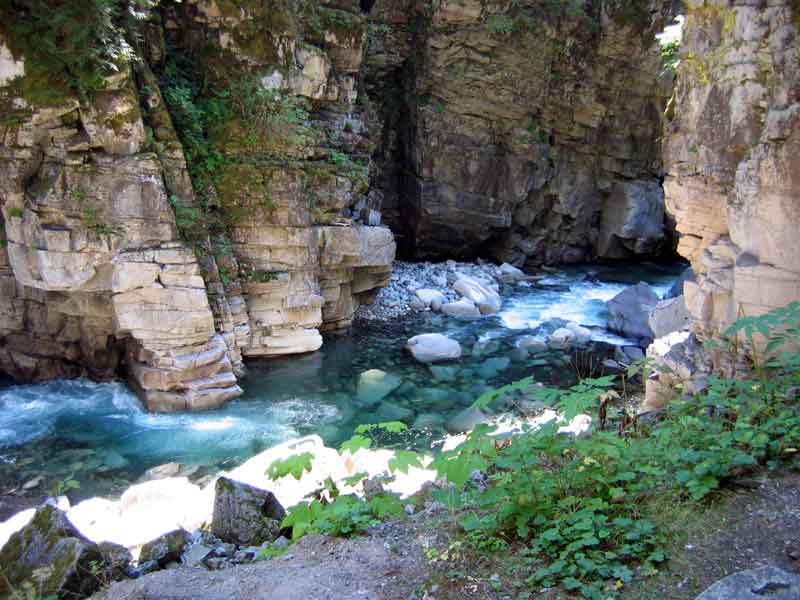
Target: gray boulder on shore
629, 311
52, 556
244, 514
755, 584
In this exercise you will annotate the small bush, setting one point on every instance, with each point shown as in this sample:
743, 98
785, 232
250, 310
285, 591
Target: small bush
576, 505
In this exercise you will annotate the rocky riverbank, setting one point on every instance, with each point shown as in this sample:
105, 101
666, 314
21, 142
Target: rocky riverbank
401, 296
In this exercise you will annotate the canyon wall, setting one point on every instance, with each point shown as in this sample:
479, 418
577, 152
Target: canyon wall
732, 154
525, 131
116, 256
208, 183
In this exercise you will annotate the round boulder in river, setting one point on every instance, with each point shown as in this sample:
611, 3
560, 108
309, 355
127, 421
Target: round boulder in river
433, 347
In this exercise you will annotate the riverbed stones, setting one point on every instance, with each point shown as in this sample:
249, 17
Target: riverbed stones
480, 293
755, 584
391, 411
571, 335
491, 367
629, 311
52, 556
509, 273
431, 298
374, 385
433, 347
443, 373
428, 421
165, 548
244, 514
461, 308
531, 344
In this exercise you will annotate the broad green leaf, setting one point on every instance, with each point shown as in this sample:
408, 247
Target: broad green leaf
294, 465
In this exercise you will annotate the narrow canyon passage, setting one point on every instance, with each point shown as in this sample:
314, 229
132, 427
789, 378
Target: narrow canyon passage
488, 298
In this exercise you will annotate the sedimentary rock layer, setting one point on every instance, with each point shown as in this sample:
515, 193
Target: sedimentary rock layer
98, 274
732, 154
526, 131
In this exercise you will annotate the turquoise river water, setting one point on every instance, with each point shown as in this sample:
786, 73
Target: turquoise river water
98, 434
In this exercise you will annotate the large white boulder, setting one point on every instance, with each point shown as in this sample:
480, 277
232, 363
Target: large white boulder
433, 347
668, 316
482, 294
462, 308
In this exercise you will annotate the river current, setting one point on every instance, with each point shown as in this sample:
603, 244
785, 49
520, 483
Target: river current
98, 434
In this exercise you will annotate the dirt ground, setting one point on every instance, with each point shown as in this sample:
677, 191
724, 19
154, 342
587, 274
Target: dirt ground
744, 528
389, 564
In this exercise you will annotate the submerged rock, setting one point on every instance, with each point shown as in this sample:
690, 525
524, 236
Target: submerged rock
51, 555
374, 385
492, 366
244, 514
428, 421
390, 411
433, 347
441, 373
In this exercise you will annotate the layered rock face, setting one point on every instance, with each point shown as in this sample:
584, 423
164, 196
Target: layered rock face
93, 267
732, 154
527, 131
110, 262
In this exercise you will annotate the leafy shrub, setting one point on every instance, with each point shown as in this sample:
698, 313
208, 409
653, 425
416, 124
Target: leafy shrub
576, 504
670, 55
335, 514
76, 43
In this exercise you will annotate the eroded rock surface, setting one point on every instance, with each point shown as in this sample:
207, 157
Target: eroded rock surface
244, 514
52, 557
526, 130
98, 193
732, 155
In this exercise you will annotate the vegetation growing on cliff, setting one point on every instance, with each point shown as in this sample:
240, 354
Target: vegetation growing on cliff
231, 137
578, 511
69, 46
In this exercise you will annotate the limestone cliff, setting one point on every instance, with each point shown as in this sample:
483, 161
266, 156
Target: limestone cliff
188, 184
126, 247
732, 154
528, 131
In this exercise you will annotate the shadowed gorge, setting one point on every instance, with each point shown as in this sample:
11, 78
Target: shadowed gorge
399, 299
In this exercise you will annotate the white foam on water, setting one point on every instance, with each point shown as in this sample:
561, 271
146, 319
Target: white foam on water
108, 416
